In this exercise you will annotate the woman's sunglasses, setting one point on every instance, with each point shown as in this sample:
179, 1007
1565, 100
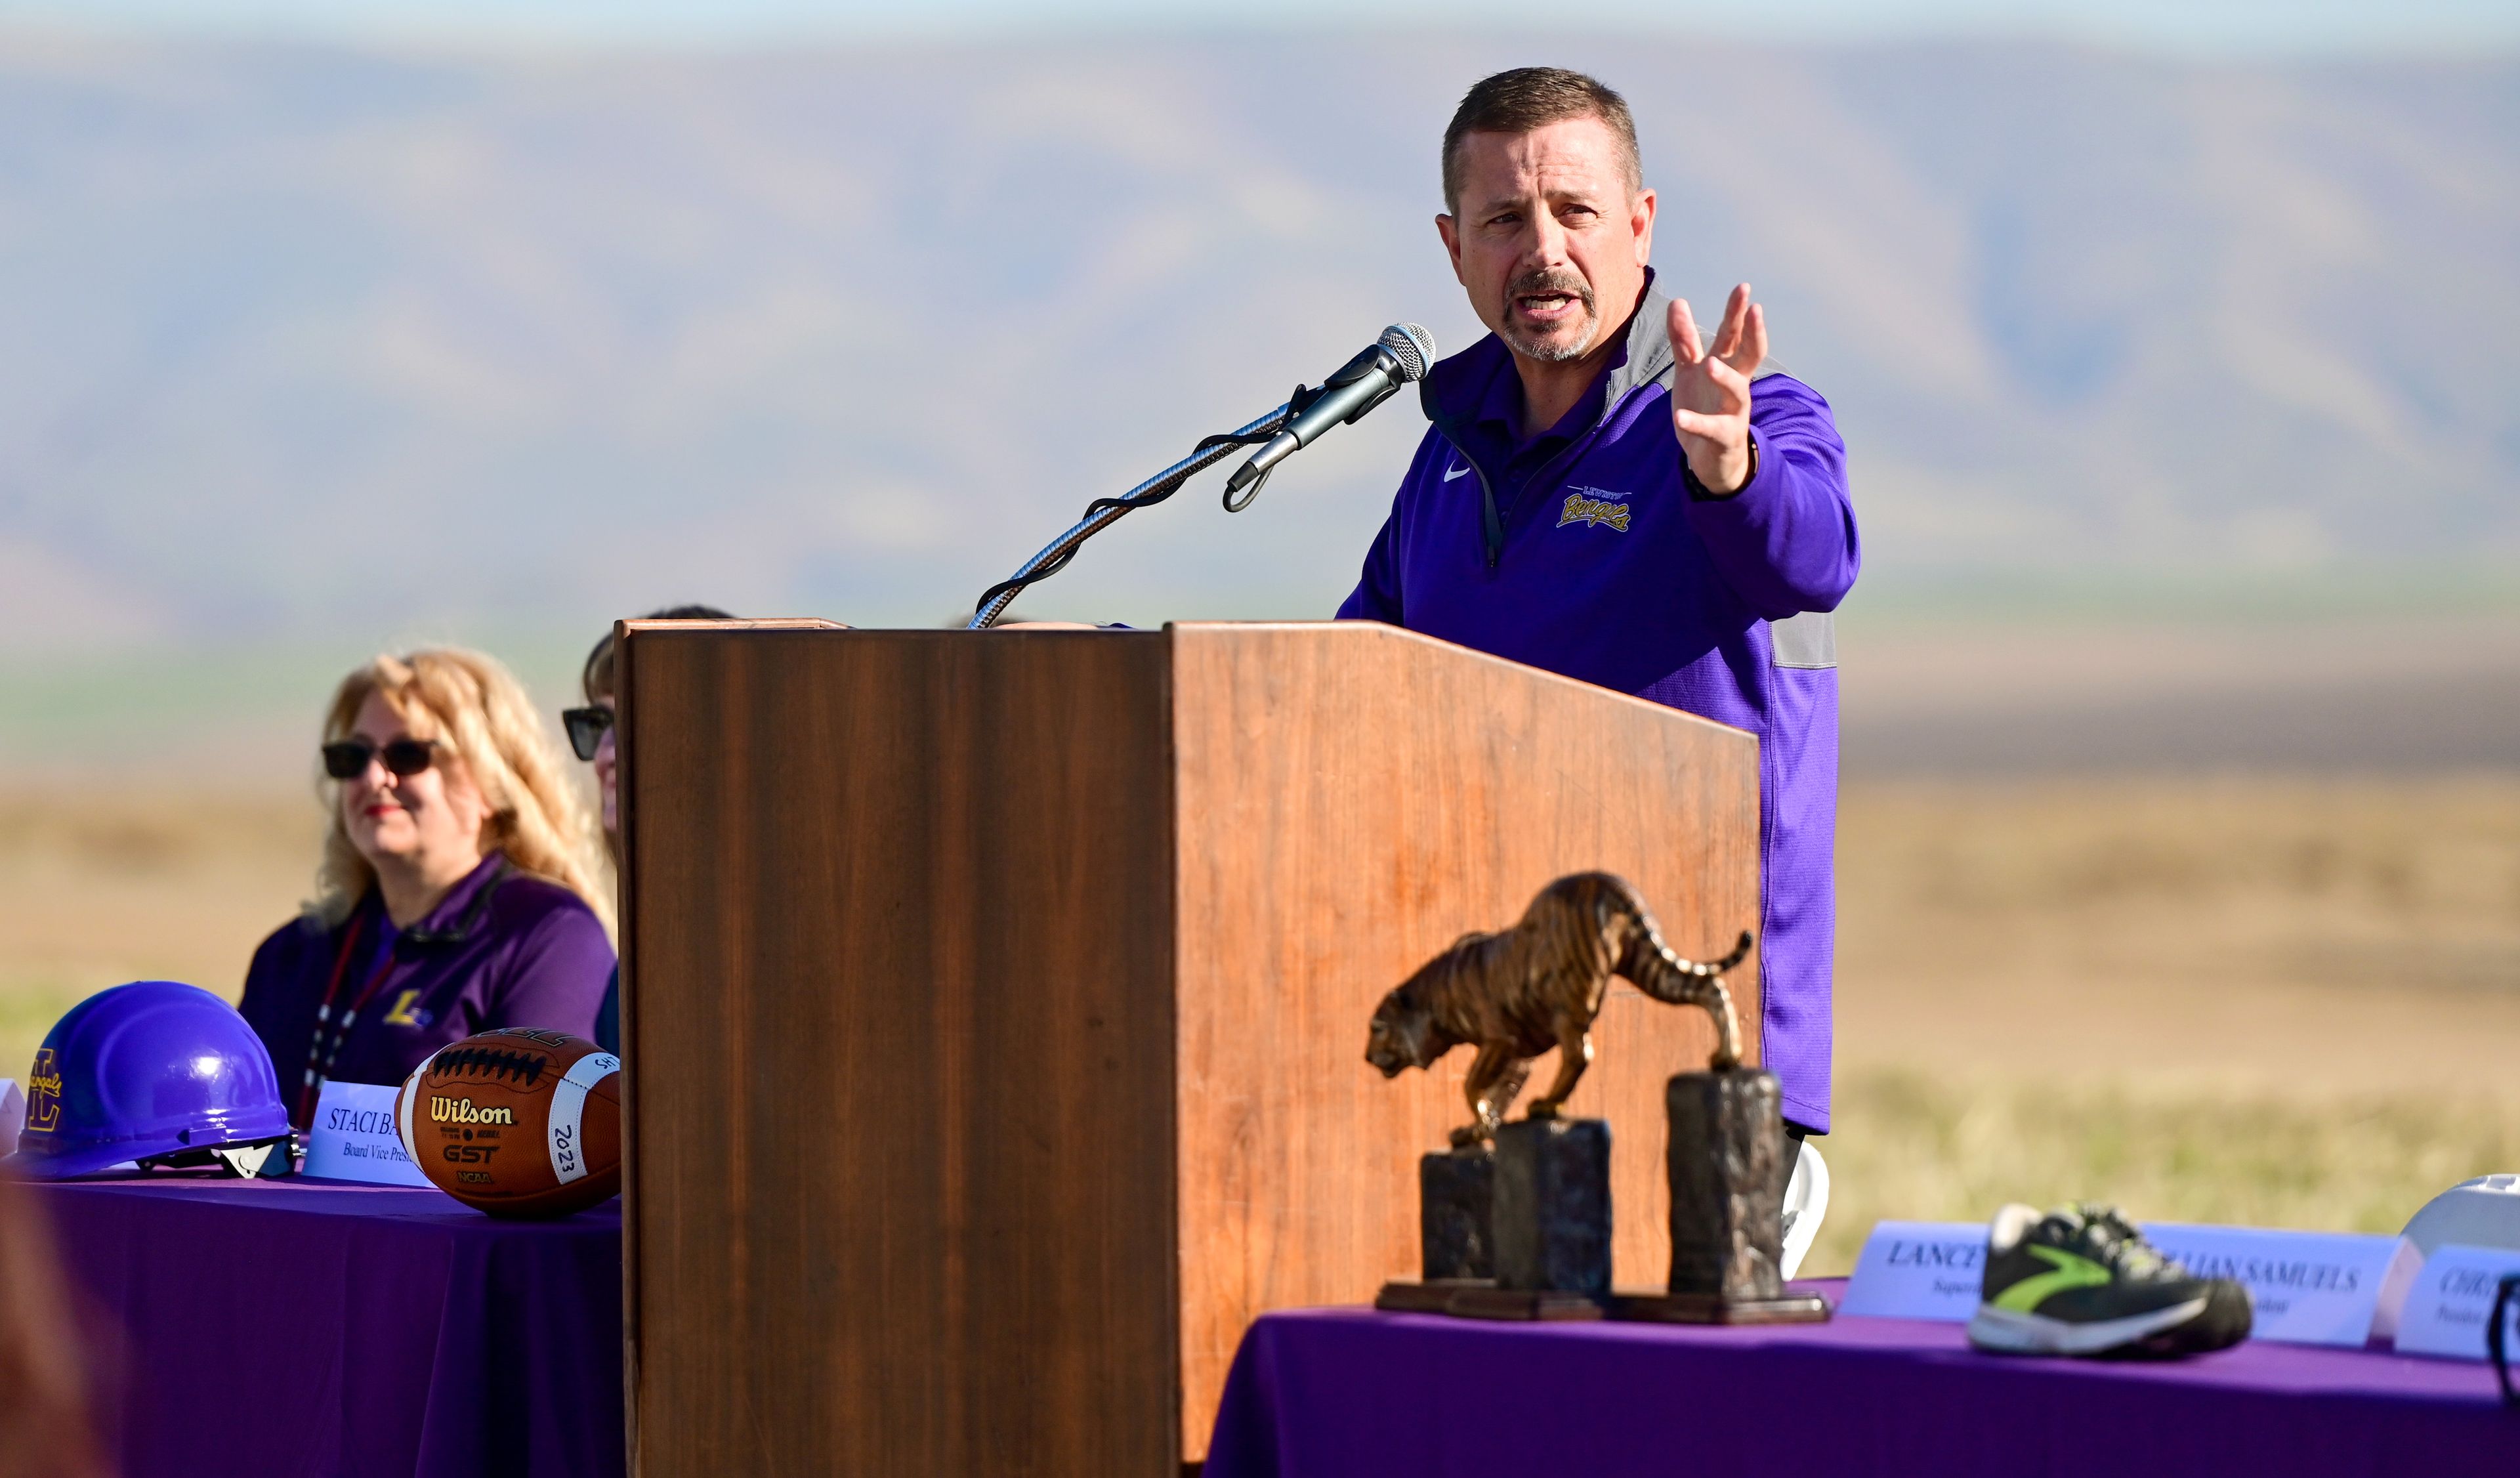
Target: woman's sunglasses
347, 759
586, 728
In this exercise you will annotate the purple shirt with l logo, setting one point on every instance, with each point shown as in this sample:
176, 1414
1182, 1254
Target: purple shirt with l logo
1585, 550
504, 948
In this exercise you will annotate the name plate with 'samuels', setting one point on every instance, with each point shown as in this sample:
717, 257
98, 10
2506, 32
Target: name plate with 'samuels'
2308, 1288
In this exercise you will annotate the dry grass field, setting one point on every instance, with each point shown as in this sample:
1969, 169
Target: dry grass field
99, 887
2290, 1002
2286, 1003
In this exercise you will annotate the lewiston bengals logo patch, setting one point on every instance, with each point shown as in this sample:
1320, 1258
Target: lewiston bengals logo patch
44, 1094
1596, 507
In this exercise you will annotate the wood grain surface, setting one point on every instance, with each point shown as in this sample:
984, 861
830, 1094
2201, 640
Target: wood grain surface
995, 1005
899, 1053
1352, 798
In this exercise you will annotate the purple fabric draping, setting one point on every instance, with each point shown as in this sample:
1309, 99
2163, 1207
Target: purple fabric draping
266, 1329
1325, 1393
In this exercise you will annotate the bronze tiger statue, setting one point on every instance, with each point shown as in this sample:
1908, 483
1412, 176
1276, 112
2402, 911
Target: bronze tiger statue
1537, 985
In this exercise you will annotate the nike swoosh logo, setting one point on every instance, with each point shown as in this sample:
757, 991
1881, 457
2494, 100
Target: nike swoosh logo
1462, 471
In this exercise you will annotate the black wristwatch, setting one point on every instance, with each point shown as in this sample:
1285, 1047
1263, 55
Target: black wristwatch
1698, 492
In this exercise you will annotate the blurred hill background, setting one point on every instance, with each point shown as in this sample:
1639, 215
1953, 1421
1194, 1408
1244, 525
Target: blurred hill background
2183, 388
841, 329
298, 332
311, 347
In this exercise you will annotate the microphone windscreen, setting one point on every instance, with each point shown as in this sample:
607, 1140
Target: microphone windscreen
1411, 346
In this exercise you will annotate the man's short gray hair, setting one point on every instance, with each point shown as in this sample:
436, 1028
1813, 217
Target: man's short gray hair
1532, 97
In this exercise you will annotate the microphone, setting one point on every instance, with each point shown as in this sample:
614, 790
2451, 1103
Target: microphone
1400, 356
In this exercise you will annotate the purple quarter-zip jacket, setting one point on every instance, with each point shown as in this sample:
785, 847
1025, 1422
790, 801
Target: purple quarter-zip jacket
1588, 551
504, 948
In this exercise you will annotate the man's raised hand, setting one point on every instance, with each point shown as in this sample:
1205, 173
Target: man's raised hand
1710, 393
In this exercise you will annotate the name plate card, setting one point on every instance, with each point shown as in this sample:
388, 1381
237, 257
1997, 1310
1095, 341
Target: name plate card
1919, 1270
353, 1138
2452, 1297
2310, 1287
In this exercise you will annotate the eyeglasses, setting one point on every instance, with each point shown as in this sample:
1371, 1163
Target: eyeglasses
347, 759
586, 728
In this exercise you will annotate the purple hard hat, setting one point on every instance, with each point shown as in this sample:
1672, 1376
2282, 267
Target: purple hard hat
150, 1070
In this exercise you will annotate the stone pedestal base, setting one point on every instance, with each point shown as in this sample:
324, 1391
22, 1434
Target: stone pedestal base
1552, 1207
1455, 1200
1728, 1167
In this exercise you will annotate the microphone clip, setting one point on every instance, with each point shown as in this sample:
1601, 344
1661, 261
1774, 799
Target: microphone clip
1299, 400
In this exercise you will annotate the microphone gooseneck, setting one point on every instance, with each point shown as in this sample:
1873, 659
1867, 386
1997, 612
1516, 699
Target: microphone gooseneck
1398, 357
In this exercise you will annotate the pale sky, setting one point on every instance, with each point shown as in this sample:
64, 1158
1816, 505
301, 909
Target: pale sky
2235, 28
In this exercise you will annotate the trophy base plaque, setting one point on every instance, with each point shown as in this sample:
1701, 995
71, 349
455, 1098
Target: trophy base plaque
1715, 1309
1525, 1305
1434, 1296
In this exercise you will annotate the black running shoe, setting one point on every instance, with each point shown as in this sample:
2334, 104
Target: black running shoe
2083, 1282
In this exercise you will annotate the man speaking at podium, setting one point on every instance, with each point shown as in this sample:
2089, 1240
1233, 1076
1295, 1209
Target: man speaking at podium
1605, 494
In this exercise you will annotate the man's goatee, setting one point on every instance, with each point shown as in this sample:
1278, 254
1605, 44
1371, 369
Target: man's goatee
1552, 282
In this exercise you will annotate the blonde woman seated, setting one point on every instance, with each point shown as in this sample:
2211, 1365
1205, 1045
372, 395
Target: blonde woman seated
456, 890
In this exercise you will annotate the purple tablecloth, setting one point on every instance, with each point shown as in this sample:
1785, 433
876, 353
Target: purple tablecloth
279, 1327
1323, 1393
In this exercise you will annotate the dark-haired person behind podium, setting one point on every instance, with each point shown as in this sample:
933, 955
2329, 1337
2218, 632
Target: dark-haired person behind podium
1605, 495
591, 734
457, 891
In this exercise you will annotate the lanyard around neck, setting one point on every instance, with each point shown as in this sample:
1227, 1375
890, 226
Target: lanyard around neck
326, 1045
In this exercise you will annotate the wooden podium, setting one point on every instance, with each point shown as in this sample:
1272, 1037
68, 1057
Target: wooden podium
995, 1006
